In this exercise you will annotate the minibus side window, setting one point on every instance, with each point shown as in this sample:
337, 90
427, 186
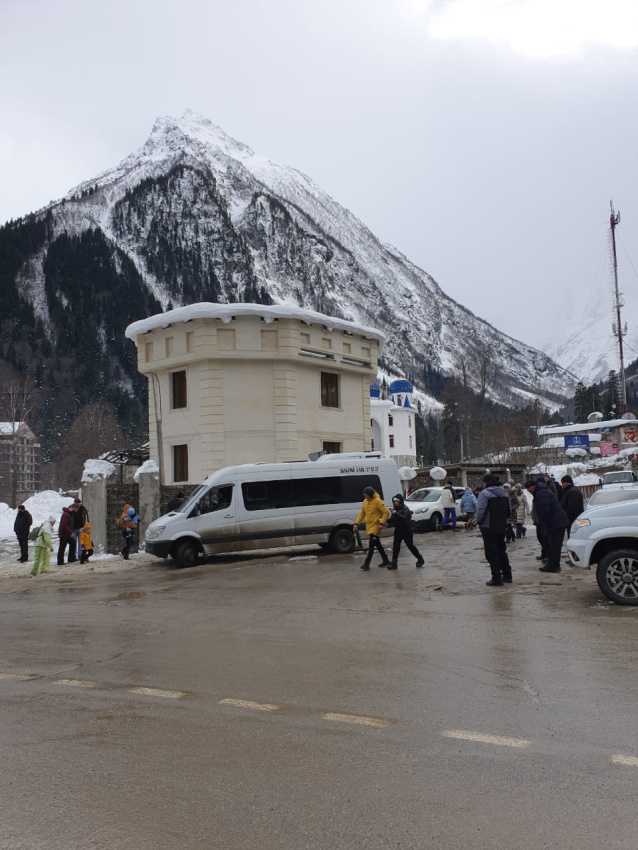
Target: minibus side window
317, 491
267, 495
215, 499
352, 487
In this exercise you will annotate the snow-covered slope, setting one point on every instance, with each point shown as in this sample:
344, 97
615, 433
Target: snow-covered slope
204, 218
587, 346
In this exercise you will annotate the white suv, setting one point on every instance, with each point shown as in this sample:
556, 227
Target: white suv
426, 507
607, 535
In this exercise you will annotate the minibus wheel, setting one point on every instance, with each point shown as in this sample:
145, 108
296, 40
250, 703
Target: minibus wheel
187, 554
342, 541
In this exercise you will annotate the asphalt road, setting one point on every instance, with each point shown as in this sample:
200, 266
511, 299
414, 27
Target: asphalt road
305, 704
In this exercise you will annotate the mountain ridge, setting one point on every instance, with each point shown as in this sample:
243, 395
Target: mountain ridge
201, 216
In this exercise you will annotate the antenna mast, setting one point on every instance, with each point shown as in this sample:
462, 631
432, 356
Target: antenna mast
618, 328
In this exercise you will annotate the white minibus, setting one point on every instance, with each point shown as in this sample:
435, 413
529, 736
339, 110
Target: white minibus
263, 505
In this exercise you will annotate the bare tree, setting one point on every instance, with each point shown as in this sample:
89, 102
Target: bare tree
94, 431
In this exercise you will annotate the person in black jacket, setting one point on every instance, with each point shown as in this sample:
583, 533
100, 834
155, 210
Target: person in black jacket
402, 516
551, 519
175, 503
572, 500
21, 527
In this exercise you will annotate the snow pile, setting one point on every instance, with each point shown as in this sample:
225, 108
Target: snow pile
96, 469
41, 506
576, 453
147, 466
587, 479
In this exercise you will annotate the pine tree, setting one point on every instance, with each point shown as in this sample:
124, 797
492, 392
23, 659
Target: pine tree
580, 403
611, 397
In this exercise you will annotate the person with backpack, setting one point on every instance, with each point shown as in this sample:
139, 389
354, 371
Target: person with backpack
376, 515
468, 507
492, 513
128, 522
43, 547
21, 528
402, 516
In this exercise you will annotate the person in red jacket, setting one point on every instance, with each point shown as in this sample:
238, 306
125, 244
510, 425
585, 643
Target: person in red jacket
65, 533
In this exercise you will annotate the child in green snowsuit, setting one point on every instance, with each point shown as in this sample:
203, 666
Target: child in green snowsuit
43, 547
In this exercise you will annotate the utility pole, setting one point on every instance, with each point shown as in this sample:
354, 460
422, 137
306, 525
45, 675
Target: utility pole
618, 328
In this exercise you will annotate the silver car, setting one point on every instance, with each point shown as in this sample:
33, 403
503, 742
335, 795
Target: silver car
427, 511
607, 535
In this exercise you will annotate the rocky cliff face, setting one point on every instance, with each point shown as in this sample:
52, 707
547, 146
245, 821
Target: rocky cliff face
195, 215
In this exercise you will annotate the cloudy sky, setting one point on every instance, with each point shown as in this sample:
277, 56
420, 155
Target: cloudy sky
483, 138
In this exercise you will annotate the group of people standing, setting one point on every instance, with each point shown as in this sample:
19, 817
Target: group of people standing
74, 532
499, 511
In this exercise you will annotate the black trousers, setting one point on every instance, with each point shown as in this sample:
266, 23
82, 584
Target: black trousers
554, 541
540, 536
374, 542
127, 536
24, 547
404, 535
496, 554
62, 547
509, 532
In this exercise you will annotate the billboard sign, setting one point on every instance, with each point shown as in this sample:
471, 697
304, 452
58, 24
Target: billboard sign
577, 441
607, 449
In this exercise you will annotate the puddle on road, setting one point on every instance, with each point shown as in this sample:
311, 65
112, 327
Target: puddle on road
129, 596
64, 589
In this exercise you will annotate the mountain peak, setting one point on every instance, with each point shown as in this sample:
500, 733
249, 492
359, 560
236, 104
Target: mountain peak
196, 127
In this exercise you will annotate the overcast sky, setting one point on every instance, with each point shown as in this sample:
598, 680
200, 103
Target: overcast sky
483, 138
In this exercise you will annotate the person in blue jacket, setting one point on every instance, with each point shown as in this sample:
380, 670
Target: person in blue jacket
552, 520
468, 507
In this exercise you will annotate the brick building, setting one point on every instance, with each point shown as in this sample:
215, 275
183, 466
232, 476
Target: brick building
20, 459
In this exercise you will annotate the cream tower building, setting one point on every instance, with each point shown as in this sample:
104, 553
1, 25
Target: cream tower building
393, 422
246, 383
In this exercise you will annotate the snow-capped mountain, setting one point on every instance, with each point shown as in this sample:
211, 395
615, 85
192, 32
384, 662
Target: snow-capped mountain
196, 216
587, 346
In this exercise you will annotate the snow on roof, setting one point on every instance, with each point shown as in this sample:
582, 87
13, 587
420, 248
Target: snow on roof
227, 312
9, 427
146, 467
95, 469
587, 426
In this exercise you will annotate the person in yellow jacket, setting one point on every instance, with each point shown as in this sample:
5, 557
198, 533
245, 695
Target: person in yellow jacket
376, 515
43, 547
86, 544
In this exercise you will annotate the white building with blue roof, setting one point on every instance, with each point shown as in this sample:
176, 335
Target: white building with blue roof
393, 422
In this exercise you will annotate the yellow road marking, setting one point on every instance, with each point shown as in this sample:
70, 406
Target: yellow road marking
18, 677
154, 692
76, 683
353, 718
628, 761
244, 703
485, 739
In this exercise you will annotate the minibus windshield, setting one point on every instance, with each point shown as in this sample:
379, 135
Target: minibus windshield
187, 504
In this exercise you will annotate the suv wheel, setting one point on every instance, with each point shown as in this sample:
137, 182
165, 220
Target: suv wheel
617, 576
435, 521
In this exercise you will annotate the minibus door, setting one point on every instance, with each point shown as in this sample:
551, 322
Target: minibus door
215, 519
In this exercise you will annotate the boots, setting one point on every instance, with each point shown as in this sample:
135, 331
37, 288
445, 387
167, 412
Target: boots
420, 562
392, 565
494, 582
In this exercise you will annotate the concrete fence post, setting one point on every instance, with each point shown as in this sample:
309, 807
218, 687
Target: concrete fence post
94, 499
149, 499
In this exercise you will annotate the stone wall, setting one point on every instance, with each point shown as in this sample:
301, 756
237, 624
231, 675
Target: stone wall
118, 495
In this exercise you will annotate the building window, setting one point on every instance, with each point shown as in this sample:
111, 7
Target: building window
409, 421
178, 390
329, 390
180, 463
390, 420
391, 438
410, 440
331, 448
399, 401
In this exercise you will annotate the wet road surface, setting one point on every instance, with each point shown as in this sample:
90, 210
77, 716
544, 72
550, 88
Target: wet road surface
277, 703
